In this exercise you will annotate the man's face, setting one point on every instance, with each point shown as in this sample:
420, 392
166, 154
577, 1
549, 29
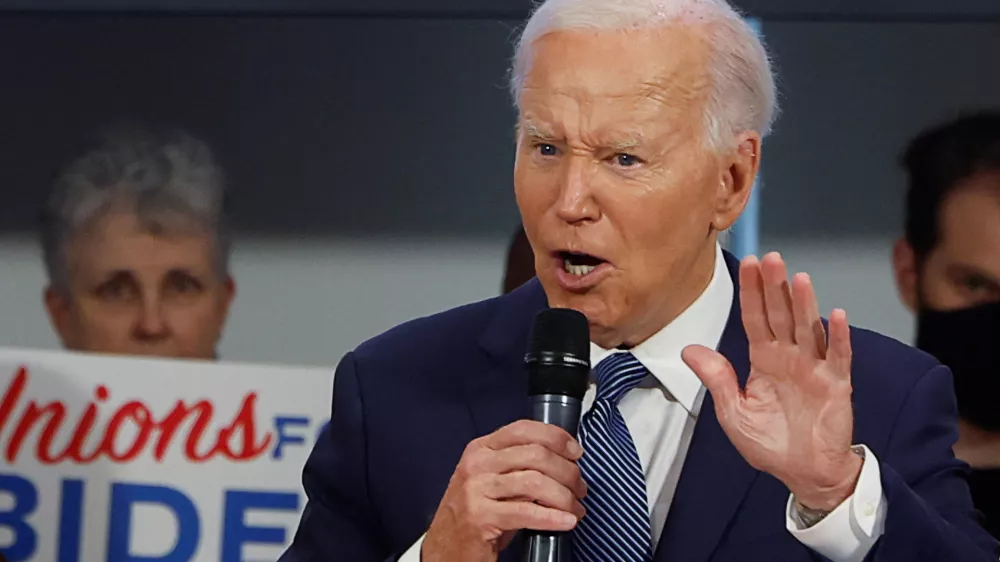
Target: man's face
963, 269
132, 292
613, 171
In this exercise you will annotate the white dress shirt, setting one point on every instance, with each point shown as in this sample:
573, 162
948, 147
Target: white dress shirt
662, 412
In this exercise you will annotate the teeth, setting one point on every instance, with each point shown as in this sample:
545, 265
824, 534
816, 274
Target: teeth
578, 270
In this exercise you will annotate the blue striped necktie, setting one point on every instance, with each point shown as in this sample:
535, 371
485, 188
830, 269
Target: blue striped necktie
616, 526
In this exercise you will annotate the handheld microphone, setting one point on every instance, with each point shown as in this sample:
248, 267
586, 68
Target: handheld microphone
558, 364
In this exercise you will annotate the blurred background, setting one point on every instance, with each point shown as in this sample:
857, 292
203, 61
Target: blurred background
368, 146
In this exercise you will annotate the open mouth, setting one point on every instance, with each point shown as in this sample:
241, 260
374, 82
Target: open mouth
578, 264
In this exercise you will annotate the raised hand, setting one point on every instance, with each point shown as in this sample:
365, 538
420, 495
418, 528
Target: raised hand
794, 418
523, 476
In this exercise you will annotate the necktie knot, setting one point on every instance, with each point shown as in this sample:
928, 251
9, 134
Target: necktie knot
618, 374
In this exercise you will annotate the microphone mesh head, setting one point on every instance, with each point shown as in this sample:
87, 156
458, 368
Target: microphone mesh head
560, 331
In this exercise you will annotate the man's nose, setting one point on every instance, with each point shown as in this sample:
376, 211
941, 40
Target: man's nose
151, 323
576, 198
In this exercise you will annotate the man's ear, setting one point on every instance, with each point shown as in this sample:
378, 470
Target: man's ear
228, 294
737, 180
904, 265
57, 306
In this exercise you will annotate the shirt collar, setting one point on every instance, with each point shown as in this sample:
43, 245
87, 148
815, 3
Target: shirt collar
702, 323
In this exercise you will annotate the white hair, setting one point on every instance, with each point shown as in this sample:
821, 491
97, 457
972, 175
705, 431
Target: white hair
168, 179
743, 94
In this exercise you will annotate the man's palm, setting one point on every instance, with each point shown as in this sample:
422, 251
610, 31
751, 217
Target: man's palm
793, 419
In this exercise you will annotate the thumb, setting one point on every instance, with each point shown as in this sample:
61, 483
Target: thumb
715, 373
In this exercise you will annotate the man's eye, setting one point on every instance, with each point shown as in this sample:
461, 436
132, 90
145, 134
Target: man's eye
547, 149
183, 284
627, 160
114, 290
979, 287
972, 284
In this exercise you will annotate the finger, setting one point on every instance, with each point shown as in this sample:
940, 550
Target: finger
839, 354
777, 298
809, 332
514, 516
752, 301
527, 432
718, 376
538, 458
534, 486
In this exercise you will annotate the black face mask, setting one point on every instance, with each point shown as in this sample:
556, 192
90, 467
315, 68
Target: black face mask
968, 341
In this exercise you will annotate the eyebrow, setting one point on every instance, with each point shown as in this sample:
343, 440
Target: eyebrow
963, 269
117, 274
536, 131
628, 141
182, 271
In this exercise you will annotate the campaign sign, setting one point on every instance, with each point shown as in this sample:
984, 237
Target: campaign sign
112, 459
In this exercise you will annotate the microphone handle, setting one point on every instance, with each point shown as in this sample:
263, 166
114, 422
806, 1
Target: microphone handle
563, 411
556, 409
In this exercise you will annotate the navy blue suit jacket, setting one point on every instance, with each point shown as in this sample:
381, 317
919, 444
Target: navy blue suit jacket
406, 403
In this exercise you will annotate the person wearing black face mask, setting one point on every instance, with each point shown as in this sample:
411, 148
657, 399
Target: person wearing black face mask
968, 341
948, 273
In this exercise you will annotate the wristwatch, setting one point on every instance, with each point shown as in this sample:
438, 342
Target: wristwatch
808, 517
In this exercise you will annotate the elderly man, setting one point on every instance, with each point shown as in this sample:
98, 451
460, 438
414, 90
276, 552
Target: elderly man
135, 248
640, 125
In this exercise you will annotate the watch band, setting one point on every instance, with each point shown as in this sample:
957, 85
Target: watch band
808, 517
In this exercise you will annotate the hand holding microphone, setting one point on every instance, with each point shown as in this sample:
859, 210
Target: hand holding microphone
524, 475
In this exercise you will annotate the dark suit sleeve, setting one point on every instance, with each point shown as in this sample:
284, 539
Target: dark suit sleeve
930, 515
339, 522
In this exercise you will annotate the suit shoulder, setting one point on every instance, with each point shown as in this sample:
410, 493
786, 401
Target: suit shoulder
453, 332
454, 328
878, 355
884, 374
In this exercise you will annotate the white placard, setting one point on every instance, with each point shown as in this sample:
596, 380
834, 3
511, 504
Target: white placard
114, 459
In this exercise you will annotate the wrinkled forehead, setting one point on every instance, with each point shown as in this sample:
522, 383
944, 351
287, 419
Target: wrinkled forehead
636, 72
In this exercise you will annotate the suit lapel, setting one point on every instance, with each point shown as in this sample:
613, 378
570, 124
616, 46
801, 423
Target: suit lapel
499, 396
715, 479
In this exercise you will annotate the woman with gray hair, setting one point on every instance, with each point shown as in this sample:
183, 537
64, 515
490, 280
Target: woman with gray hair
135, 247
